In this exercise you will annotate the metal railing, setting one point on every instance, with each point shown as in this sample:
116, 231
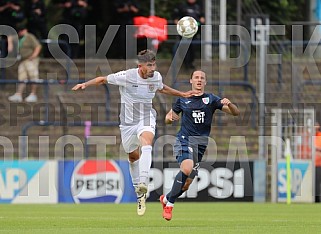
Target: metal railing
46, 122
46, 84
43, 42
27, 126
283, 49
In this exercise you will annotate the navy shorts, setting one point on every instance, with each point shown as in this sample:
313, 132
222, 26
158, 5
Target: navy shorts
184, 151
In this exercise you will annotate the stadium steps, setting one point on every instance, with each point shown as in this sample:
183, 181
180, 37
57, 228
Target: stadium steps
50, 69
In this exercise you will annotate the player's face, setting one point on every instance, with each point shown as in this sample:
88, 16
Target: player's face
198, 81
147, 69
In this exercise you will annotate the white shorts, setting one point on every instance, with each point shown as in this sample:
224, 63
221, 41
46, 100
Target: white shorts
130, 134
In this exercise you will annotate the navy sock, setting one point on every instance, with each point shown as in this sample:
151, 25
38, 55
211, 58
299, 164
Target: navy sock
178, 184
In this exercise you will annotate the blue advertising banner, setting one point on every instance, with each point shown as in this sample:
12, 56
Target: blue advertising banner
301, 181
28, 182
95, 181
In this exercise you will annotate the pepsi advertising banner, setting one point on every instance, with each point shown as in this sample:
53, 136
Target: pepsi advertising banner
216, 181
110, 181
95, 181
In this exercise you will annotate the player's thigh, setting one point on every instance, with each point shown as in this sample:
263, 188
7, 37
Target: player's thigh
182, 152
129, 138
146, 137
146, 131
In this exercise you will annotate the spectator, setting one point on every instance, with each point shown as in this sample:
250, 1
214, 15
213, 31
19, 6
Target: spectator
125, 12
317, 144
29, 49
74, 14
36, 14
193, 9
10, 13
37, 23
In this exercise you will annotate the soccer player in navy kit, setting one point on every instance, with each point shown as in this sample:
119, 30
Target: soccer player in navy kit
192, 138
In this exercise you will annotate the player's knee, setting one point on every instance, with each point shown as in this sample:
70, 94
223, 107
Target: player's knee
187, 166
187, 170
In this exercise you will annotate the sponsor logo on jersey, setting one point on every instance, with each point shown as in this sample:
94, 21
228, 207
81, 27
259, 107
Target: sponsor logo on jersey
187, 102
151, 87
97, 181
198, 116
206, 100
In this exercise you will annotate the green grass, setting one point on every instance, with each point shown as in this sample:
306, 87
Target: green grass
188, 218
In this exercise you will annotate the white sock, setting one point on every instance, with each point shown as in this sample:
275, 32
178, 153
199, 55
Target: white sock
170, 204
165, 200
134, 171
145, 163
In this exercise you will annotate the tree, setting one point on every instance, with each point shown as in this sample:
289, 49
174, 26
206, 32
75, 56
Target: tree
284, 11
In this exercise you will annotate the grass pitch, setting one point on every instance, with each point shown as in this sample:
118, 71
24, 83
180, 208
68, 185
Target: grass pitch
187, 218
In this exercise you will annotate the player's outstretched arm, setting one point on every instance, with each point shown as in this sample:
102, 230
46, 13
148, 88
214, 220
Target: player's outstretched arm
96, 81
171, 116
229, 107
170, 91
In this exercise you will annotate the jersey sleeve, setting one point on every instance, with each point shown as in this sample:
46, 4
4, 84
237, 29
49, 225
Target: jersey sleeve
177, 106
160, 82
217, 102
118, 78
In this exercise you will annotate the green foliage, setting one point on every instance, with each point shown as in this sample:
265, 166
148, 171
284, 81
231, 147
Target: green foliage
283, 11
163, 8
280, 11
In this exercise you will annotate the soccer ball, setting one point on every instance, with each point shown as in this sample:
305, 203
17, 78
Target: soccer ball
187, 27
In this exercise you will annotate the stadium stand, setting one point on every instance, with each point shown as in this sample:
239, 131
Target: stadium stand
82, 107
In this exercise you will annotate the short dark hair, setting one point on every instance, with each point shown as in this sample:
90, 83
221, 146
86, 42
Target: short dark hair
146, 56
196, 71
21, 26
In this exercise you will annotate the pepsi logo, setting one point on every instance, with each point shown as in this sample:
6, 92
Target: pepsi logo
97, 181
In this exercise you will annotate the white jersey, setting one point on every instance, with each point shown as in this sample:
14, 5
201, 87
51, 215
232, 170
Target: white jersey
136, 94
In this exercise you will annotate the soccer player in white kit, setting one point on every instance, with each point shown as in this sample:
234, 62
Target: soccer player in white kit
137, 87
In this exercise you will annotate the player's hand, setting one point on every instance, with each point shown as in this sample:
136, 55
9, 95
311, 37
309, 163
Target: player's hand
79, 86
174, 116
171, 116
225, 102
191, 93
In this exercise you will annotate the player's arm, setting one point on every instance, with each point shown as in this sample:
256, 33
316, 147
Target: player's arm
171, 116
96, 81
229, 107
170, 91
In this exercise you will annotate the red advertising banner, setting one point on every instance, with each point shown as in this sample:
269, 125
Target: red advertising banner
151, 27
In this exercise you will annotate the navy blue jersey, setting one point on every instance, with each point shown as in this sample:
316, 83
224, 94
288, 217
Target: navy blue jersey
197, 115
